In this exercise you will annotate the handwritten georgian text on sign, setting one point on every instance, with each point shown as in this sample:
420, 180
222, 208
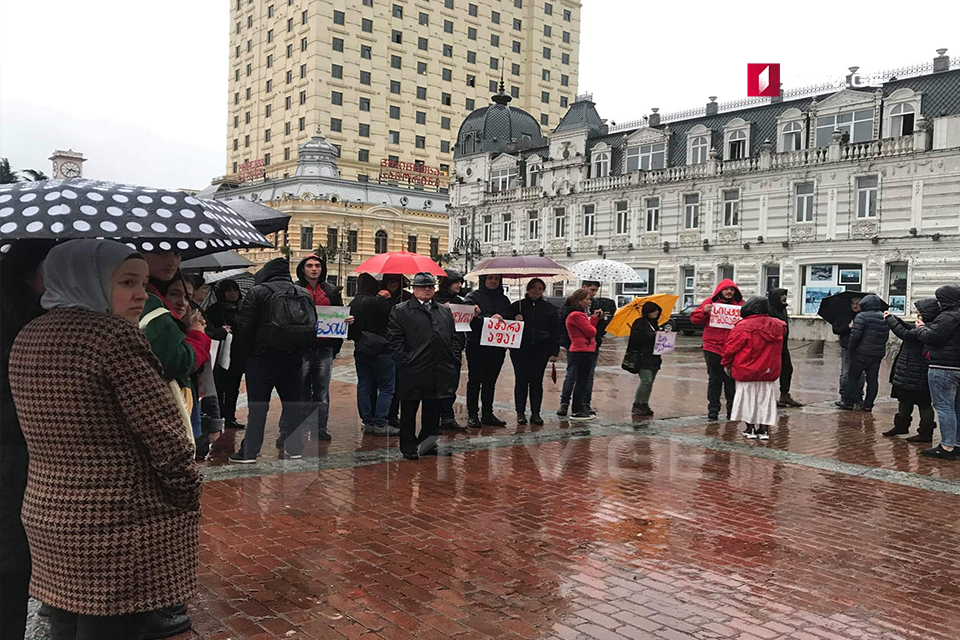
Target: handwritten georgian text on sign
332, 322
501, 333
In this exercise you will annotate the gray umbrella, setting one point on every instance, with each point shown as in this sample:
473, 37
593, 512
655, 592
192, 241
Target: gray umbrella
215, 262
266, 219
146, 219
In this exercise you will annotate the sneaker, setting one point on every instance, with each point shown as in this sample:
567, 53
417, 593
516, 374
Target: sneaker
591, 411
492, 421
239, 459
940, 452
536, 419
393, 431
582, 416
290, 456
920, 437
713, 416
370, 430
165, 624
474, 422
412, 454
748, 432
562, 411
521, 418
763, 434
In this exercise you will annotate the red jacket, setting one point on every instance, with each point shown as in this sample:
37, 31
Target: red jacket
753, 349
713, 337
582, 330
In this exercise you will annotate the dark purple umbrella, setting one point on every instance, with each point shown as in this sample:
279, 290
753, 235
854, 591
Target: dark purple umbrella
516, 267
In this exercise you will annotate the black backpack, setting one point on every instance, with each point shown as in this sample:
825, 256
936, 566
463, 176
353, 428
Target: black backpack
293, 318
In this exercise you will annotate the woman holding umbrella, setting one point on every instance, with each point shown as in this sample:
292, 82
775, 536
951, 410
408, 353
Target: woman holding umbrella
540, 345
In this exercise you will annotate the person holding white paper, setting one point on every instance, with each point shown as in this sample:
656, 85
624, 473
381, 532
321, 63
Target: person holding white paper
643, 337
448, 292
714, 339
540, 344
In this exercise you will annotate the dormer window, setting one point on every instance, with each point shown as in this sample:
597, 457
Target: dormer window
647, 157
699, 150
792, 137
503, 179
601, 164
533, 174
737, 145
857, 125
901, 120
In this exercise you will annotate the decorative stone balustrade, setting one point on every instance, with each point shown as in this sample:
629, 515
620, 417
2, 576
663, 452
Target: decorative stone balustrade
604, 183
789, 159
739, 166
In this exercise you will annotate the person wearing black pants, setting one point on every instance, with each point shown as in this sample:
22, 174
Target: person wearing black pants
718, 381
540, 345
778, 309
714, 339
448, 293
867, 346
64, 624
222, 316
484, 363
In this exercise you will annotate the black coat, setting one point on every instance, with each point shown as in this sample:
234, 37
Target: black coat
254, 312
942, 336
778, 310
371, 314
642, 339
426, 348
868, 337
491, 303
541, 328
909, 370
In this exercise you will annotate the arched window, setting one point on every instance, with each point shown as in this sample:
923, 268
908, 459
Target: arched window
699, 150
380, 242
737, 145
601, 164
533, 175
901, 120
792, 137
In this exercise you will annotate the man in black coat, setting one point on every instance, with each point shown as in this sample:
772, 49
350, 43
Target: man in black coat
448, 293
867, 346
484, 363
778, 309
841, 328
425, 344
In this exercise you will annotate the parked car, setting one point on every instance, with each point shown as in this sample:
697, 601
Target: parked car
680, 321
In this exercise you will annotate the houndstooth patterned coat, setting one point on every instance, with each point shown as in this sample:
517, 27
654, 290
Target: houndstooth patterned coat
113, 496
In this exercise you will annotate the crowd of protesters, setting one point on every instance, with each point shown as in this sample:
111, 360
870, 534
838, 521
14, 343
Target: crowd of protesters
120, 342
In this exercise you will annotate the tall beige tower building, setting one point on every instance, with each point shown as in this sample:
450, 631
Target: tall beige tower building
388, 79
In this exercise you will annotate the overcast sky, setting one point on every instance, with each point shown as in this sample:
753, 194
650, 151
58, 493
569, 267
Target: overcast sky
140, 87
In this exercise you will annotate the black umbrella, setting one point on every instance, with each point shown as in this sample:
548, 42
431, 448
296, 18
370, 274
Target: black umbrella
146, 219
837, 306
266, 219
215, 262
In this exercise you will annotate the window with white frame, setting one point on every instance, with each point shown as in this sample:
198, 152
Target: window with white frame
857, 125
901, 120
601, 164
488, 228
559, 222
589, 220
507, 228
653, 214
725, 272
503, 179
737, 145
533, 225
647, 157
803, 197
771, 276
731, 207
792, 139
533, 174
691, 211
623, 217
688, 285
867, 196
699, 150
463, 230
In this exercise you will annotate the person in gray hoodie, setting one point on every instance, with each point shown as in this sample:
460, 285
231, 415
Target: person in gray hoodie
867, 346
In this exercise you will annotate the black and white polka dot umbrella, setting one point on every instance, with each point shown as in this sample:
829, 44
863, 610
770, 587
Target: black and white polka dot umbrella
144, 218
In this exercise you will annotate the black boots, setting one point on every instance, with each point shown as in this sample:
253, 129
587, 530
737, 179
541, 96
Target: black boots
924, 432
901, 426
642, 409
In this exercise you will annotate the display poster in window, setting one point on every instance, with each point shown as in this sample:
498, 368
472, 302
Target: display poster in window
813, 295
506, 334
462, 315
332, 322
898, 305
665, 343
821, 273
850, 276
724, 316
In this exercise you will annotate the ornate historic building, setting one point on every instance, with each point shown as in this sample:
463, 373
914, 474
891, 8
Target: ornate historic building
848, 185
350, 220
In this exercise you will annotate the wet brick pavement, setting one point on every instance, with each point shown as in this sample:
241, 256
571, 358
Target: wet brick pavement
671, 528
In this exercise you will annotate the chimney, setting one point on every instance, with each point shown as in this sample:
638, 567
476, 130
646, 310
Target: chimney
654, 120
853, 80
712, 106
779, 97
941, 62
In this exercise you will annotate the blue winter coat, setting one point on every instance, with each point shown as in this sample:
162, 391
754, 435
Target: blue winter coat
868, 337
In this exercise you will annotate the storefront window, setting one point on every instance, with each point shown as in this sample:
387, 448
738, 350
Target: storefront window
823, 280
897, 287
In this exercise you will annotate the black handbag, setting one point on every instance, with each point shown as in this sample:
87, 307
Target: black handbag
631, 362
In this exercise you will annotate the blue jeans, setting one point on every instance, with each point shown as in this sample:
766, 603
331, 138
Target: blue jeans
265, 372
566, 392
945, 393
845, 371
376, 383
315, 370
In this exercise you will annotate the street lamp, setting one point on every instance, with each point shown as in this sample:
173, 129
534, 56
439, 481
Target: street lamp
470, 248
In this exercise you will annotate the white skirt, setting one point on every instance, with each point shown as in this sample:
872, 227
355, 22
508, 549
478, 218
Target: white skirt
756, 402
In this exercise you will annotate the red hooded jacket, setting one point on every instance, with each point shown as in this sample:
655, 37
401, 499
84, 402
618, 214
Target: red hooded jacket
753, 349
714, 338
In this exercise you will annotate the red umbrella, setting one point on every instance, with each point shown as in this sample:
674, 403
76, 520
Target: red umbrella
515, 267
399, 262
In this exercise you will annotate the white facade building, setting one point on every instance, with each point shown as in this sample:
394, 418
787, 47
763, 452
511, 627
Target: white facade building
854, 185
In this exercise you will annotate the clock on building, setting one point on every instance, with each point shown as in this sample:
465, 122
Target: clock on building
67, 164
69, 169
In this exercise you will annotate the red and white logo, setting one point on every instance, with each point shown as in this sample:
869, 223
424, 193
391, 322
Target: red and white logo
763, 80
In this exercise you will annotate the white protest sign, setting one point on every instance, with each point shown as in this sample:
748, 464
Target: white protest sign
332, 322
724, 316
501, 333
462, 315
664, 343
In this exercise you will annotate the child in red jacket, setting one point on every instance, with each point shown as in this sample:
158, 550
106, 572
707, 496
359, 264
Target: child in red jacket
752, 357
